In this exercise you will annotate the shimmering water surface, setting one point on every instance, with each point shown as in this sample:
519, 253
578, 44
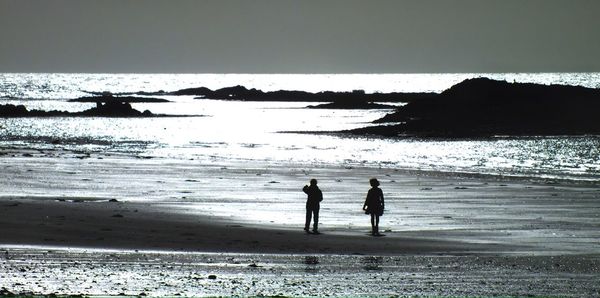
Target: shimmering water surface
251, 130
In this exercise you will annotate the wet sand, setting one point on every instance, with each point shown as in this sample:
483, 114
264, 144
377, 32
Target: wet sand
170, 230
101, 272
155, 226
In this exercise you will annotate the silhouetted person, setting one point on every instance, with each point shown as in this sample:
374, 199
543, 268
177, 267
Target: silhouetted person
374, 205
315, 196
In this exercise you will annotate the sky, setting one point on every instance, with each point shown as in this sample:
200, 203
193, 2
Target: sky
299, 36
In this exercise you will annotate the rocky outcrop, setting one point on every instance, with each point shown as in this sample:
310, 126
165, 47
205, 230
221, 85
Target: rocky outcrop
352, 106
9, 110
113, 109
483, 107
108, 98
244, 94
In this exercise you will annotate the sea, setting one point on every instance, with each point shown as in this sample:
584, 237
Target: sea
260, 131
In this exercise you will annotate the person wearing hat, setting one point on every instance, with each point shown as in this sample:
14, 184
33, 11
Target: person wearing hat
315, 196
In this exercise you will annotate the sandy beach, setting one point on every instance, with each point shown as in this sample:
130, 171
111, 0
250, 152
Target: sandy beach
144, 226
121, 206
59, 207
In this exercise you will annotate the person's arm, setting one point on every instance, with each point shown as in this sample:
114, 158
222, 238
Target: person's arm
382, 201
305, 189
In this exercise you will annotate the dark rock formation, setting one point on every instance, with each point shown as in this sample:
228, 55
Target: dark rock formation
115, 109
200, 91
353, 105
483, 107
9, 110
244, 94
112, 109
108, 98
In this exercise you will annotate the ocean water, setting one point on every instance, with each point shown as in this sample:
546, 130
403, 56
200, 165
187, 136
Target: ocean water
241, 131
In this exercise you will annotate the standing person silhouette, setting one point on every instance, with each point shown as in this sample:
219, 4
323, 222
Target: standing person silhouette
374, 205
315, 196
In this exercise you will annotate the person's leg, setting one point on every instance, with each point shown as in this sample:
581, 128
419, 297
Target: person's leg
308, 217
316, 220
377, 224
372, 223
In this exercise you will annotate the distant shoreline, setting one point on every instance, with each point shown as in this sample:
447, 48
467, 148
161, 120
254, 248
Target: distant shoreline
479, 107
241, 93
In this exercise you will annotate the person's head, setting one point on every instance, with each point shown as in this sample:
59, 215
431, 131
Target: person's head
374, 182
313, 182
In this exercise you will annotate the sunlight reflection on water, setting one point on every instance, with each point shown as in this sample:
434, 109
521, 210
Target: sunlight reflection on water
249, 131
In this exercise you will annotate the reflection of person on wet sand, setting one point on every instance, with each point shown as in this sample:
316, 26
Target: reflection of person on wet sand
315, 196
374, 205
